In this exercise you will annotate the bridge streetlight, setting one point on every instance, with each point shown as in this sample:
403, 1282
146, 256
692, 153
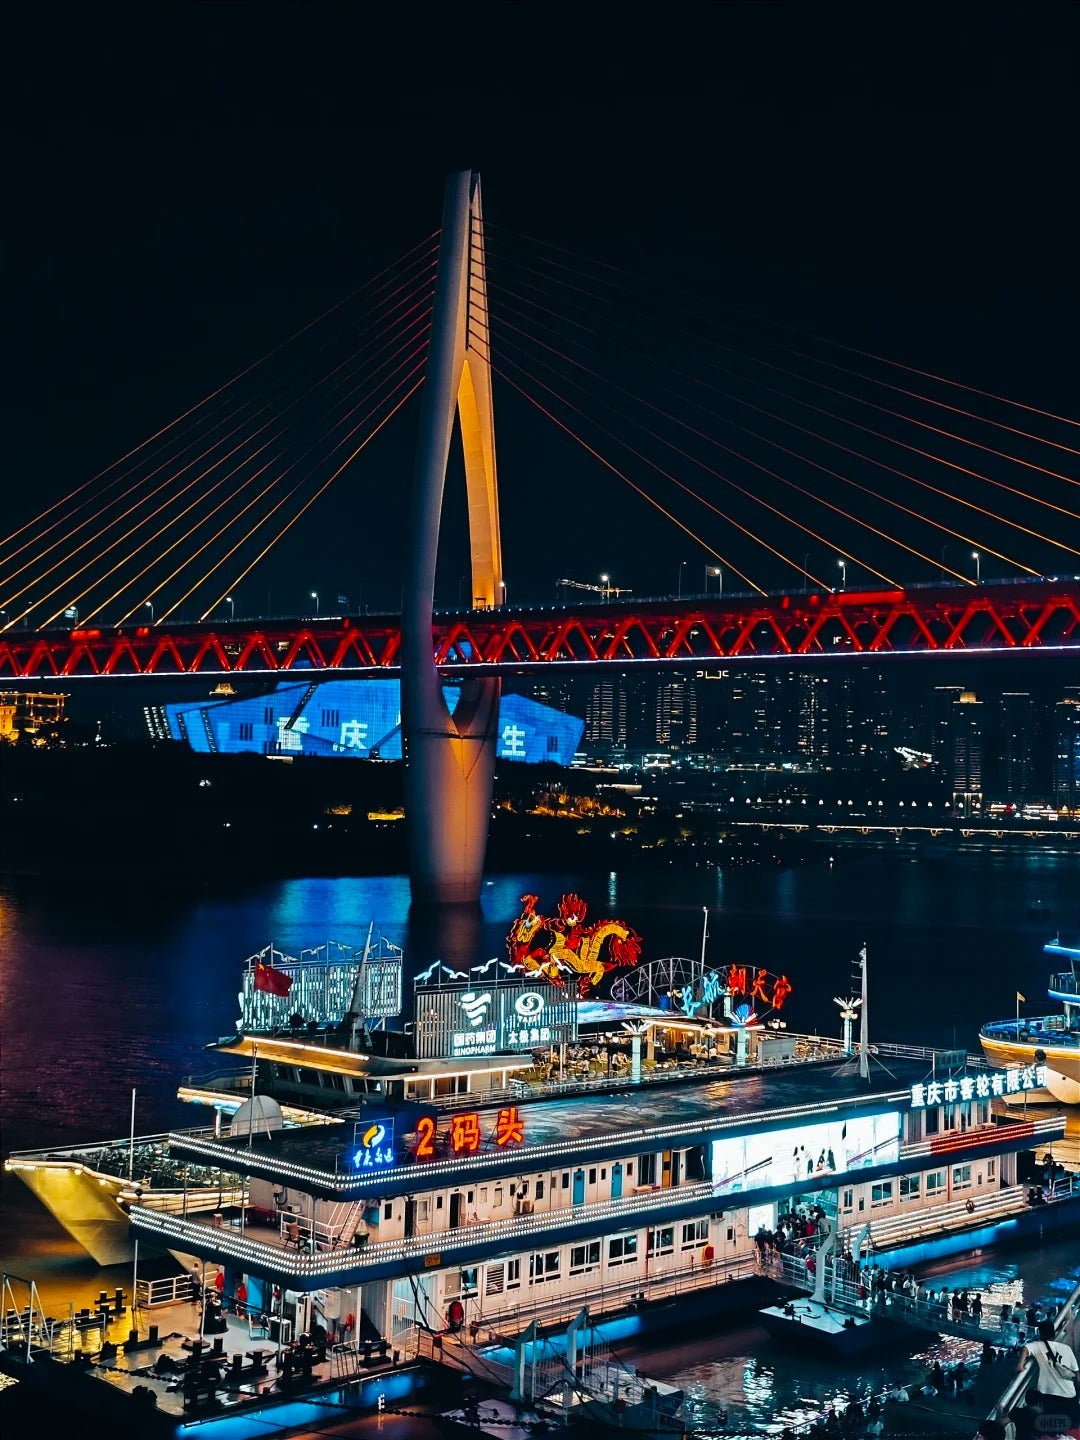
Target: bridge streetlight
315, 597
714, 570
843, 573
978, 567
232, 606
150, 607
502, 587
682, 564
605, 581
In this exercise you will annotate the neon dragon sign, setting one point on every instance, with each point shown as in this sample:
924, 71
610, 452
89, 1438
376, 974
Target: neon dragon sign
552, 945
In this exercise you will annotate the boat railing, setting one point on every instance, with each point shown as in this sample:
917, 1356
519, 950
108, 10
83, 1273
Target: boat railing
166, 1290
1030, 1030
605, 1297
238, 1079
143, 1158
1065, 982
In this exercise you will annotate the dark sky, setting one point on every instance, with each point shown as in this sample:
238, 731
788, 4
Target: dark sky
188, 184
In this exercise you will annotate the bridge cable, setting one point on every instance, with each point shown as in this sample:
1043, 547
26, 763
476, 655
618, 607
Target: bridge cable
804, 459
204, 519
498, 288
696, 314
232, 496
376, 322
416, 354
891, 539
840, 419
682, 486
823, 340
213, 394
325, 485
248, 439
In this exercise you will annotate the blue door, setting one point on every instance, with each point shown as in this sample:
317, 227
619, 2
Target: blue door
579, 1187
616, 1181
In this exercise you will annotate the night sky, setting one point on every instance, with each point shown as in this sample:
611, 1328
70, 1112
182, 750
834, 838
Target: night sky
189, 184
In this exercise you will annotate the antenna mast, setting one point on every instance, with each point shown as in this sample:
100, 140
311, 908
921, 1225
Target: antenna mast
864, 1039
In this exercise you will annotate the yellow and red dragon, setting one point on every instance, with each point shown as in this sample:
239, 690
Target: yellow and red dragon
572, 945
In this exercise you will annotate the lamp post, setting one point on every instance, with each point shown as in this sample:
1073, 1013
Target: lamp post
605, 581
714, 570
150, 607
315, 597
232, 607
502, 587
682, 563
978, 567
843, 573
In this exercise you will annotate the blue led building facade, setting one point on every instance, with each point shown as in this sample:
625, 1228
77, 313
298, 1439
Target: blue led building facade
357, 718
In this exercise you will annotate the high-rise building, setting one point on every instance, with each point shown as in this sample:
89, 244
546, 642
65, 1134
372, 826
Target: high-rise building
676, 714
823, 716
751, 715
555, 694
1066, 778
1015, 745
966, 734
943, 700
605, 714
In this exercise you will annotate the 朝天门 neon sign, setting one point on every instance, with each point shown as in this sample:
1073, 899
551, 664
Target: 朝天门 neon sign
746, 993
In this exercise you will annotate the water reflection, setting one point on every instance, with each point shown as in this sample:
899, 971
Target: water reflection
763, 1387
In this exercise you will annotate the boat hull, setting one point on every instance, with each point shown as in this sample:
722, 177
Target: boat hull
87, 1205
1062, 1066
93, 1207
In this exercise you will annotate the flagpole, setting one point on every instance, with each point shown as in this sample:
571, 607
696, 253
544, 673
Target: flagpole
1018, 1014
251, 1103
131, 1141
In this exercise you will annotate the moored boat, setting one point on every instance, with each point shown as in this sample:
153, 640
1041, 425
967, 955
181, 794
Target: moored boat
1048, 1041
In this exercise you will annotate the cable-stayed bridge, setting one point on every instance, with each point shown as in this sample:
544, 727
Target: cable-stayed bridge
786, 459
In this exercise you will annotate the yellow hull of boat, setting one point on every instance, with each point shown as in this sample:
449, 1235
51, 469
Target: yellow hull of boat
1062, 1063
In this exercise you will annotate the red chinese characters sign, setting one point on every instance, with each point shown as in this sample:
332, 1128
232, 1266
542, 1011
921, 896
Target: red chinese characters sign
464, 1134
744, 993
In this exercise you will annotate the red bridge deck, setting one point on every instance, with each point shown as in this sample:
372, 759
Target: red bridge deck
1023, 616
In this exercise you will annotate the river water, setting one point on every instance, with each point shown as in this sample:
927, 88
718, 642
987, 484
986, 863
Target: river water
115, 986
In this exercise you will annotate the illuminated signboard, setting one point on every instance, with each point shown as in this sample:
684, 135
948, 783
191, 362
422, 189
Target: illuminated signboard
496, 1018
463, 1134
782, 1157
991, 1085
374, 1145
562, 944
746, 992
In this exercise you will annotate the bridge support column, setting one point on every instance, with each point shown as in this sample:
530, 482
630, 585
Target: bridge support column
450, 755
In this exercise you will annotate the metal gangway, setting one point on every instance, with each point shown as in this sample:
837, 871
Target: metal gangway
828, 1284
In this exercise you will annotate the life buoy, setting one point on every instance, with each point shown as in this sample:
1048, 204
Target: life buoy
708, 1255
350, 1321
455, 1315
970, 1207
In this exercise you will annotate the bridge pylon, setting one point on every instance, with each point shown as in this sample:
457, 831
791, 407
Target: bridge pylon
450, 755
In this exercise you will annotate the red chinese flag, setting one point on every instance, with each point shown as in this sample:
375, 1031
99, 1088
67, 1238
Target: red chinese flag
274, 982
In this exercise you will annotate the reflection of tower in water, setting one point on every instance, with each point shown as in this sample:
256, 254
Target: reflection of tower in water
450, 933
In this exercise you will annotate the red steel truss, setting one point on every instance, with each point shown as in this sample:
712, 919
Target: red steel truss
1035, 615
